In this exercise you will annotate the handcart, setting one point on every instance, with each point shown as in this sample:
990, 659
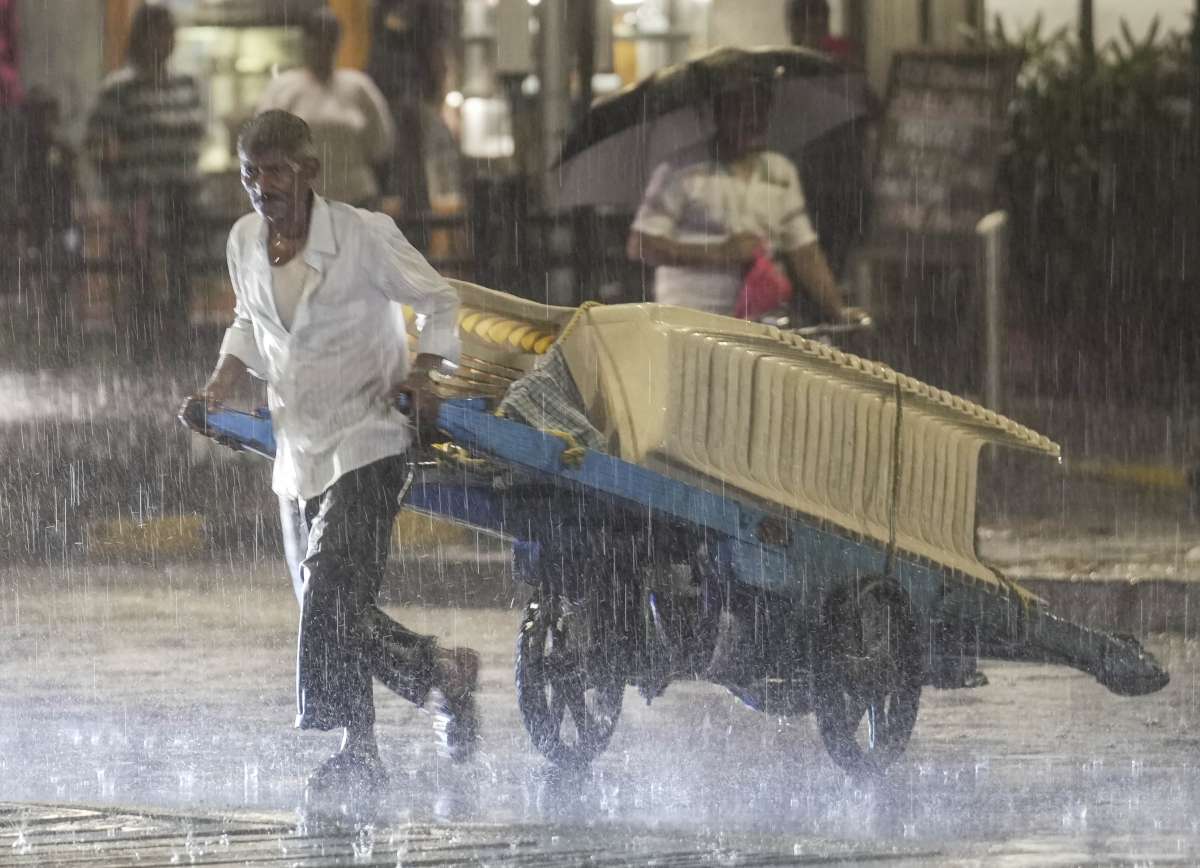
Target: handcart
797, 526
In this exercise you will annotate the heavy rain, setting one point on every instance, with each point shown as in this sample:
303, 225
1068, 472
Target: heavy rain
599, 432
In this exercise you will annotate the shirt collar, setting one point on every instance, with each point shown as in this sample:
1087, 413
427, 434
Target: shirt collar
320, 229
321, 238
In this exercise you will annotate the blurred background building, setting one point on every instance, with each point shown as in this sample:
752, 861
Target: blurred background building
499, 49
490, 87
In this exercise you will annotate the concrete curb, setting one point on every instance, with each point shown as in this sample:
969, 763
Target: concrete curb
187, 535
177, 536
439, 564
1155, 476
1138, 607
472, 576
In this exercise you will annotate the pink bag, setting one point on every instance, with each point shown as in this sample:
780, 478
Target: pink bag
764, 289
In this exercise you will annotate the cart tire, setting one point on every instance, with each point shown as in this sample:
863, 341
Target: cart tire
868, 675
551, 681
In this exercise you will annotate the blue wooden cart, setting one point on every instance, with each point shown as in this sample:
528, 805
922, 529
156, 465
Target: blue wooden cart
733, 503
641, 579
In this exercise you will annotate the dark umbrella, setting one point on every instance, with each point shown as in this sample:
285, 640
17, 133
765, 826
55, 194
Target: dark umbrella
607, 158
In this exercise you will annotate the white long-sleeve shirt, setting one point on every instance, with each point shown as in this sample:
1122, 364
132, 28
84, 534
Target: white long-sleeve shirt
351, 125
330, 374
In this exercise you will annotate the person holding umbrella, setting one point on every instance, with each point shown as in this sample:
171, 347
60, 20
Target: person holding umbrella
711, 216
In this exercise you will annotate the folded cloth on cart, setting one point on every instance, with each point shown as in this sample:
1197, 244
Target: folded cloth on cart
547, 399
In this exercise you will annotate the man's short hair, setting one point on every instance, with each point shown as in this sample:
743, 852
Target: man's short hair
276, 130
798, 8
149, 20
322, 24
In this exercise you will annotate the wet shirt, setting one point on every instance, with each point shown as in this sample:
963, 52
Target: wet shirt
287, 285
699, 200
351, 126
330, 374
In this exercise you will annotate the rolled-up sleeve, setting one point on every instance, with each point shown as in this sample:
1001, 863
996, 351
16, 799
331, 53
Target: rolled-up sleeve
403, 275
662, 204
239, 338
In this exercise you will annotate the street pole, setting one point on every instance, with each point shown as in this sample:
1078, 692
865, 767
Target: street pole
1195, 46
1196, 34
583, 226
1192, 208
586, 53
992, 232
973, 15
1087, 31
1194, 116
555, 49
554, 77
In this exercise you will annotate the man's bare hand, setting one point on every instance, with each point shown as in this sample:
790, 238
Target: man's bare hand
215, 392
740, 248
211, 399
424, 403
854, 316
226, 377
224, 380
423, 406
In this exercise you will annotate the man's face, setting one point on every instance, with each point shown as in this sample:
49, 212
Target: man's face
809, 25
158, 46
741, 117
277, 183
319, 50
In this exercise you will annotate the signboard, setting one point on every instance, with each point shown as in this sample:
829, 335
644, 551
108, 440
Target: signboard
935, 176
936, 169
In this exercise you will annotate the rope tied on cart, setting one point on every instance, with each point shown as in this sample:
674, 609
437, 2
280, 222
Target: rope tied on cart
574, 320
573, 453
548, 400
462, 458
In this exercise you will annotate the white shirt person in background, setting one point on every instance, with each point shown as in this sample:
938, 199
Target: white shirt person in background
349, 118
319, 287
706, 214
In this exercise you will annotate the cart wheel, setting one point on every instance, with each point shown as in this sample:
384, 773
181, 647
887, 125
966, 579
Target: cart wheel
553, 676
868, 676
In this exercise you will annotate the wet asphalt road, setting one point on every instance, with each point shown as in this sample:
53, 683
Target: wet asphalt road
171, 688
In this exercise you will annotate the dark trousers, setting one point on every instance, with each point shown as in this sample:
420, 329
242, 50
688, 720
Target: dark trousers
337, 546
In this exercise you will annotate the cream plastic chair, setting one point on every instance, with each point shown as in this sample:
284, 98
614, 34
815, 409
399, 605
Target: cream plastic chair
748, 410
744, 408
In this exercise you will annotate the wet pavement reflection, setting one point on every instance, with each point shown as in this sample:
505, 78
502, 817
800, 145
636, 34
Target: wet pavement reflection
171, 688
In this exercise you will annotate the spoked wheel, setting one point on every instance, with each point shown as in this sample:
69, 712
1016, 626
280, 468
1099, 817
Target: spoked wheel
569, 703
869, 676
